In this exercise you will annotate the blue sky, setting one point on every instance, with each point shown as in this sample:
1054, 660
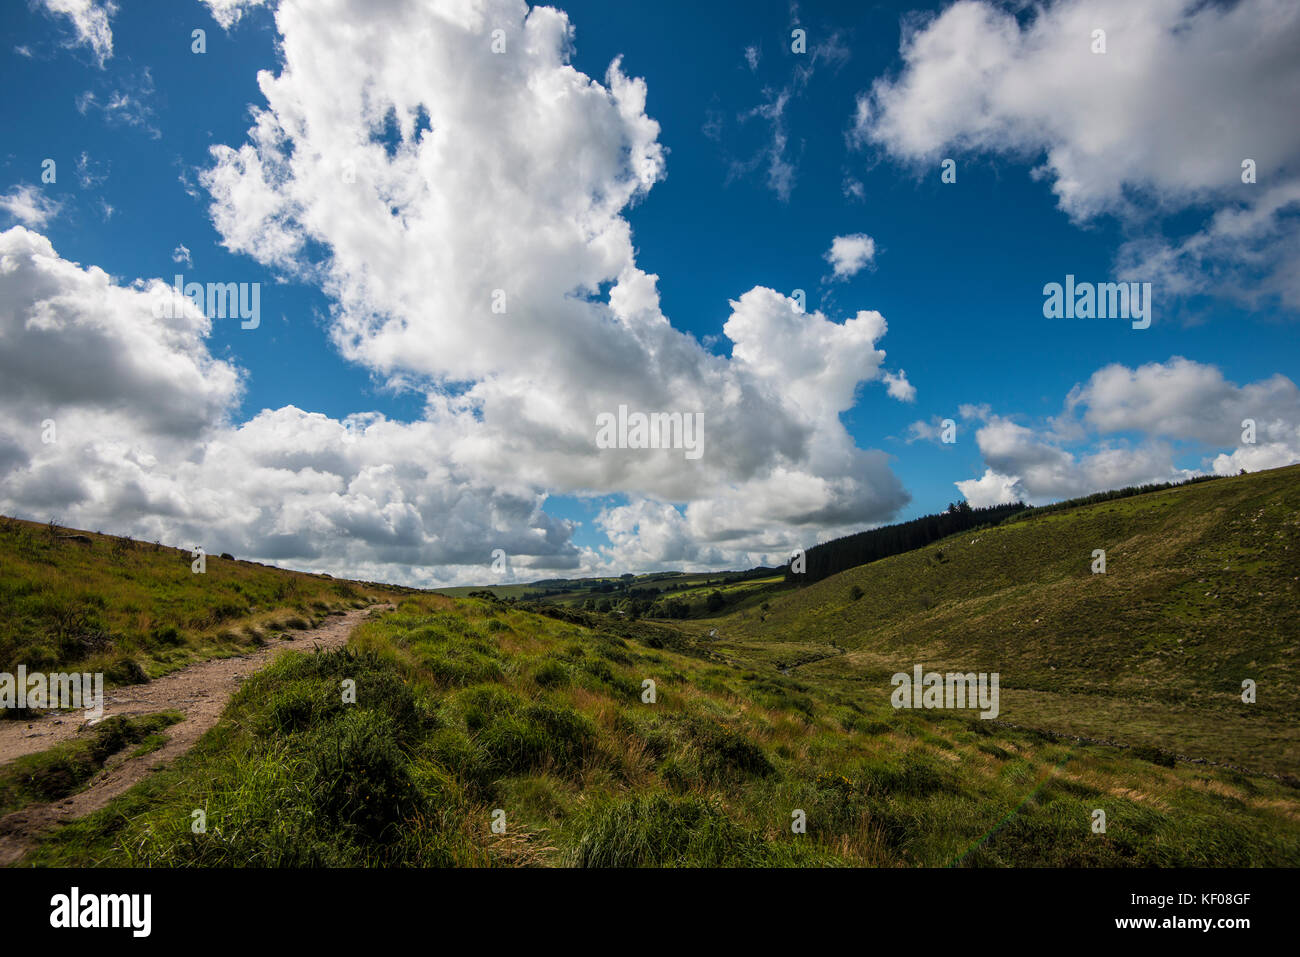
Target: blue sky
958, 270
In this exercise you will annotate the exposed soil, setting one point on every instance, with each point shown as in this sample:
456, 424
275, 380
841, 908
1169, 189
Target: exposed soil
200, 692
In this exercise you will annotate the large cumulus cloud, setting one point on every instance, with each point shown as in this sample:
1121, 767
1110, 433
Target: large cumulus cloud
464, 209
1126, 426
460, 191
1158, 124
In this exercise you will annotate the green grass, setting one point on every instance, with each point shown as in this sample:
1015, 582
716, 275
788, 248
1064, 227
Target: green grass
464, 707
135, 610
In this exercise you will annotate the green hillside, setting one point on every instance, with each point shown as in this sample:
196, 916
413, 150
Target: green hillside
1201, 591
74, 600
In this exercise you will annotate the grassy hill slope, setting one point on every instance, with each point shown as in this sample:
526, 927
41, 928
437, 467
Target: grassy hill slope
1201, 591
83, 601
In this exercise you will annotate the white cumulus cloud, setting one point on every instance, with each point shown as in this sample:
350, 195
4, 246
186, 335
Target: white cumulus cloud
464, 211
850, 254
1128, 424
1161, 122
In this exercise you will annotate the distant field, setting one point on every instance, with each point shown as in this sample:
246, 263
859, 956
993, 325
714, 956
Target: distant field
664, 595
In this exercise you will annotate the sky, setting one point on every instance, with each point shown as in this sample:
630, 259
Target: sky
466, 233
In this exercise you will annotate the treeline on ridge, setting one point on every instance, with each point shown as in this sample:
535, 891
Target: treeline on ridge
829, 558
822, 561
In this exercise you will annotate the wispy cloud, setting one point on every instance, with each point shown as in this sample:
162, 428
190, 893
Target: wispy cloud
90, 21
779, 157
125, 103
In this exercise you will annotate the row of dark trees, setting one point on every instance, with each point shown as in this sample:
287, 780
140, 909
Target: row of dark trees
822, 561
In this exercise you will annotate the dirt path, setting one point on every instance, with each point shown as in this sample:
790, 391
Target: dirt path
200, 692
